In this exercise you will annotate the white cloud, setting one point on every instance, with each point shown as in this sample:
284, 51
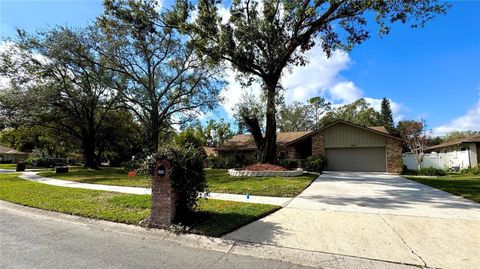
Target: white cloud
469, 121
320, 77
345, 91
232, 93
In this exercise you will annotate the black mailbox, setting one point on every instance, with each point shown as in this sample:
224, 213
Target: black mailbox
161, 170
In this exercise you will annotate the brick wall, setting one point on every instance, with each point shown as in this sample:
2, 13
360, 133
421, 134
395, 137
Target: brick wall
318, 144
163, 198
394, 155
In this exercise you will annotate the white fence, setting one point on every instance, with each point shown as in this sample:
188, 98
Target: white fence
439, 160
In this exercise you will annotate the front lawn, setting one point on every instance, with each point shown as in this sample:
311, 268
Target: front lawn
105, 176
218, 181
214, 218
462, 185
10, 166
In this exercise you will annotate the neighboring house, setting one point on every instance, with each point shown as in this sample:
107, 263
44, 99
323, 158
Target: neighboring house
347, 147
9, 155
468, 144
210, 151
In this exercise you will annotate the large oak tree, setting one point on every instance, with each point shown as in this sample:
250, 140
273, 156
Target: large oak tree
161, 79
263, 39
54, 86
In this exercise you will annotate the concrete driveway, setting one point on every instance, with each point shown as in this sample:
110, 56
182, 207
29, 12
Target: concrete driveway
376, 216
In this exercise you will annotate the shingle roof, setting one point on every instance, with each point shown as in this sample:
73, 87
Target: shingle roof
209, 150
7, 150
471, 139
380, 129
246, 142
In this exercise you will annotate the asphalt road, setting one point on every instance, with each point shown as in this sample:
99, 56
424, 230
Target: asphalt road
29, 242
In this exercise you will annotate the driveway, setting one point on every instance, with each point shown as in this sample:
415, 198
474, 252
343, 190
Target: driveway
376, 216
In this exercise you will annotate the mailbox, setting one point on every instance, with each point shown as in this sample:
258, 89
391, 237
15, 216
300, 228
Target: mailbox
161, 170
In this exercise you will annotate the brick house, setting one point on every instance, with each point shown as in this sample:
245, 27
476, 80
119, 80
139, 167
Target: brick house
347, 147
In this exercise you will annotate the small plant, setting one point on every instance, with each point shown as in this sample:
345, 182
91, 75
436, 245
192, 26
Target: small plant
470, 171
239, 160
428, 171
290, 163
315, 164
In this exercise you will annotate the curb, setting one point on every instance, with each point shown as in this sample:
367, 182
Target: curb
227, 246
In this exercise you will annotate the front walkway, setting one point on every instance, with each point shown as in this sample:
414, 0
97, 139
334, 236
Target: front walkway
32, 176
375, 216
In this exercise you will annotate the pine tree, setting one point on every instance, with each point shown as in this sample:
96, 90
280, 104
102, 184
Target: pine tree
387, 115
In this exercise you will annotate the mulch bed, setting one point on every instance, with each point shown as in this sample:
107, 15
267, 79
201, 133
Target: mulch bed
264, 167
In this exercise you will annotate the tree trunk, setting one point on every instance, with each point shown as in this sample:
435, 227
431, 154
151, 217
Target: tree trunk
269, 150
154, 131
89, 152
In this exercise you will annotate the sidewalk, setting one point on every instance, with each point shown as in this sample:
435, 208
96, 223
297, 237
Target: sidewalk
32, 176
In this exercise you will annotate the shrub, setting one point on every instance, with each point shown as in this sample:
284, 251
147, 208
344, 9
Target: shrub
428, 171
315, 164
410, 172
470, 171
290, 163
218, 162
45, 162
186, 175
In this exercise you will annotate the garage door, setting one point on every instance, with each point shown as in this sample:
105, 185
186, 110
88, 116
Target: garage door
356, 159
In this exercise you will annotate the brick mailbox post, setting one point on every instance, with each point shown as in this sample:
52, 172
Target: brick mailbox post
163, 195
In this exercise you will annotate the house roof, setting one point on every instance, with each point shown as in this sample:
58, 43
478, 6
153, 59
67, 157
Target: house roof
7, 150
209, 150
380, 129
471, 139
246, 142
375, 129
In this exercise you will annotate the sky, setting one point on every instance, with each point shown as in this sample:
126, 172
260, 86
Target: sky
431, 73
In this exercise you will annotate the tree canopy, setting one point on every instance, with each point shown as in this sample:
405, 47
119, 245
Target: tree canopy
54, 86
161, 79
263, 39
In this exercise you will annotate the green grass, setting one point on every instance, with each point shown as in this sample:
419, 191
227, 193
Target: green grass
218, 181
214, 217
467, 186
8, 166
105, 176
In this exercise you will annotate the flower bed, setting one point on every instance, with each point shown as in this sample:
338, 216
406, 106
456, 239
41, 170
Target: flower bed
264, 167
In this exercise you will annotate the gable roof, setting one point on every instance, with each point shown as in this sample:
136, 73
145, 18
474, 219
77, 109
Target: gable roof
7, 150
246, 142
380, 129
471, 139
374, 129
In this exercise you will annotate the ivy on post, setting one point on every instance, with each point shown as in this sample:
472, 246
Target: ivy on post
163, 195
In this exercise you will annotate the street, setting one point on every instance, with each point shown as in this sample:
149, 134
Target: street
30, 242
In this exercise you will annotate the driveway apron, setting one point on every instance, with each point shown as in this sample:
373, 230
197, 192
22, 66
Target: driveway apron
377, 216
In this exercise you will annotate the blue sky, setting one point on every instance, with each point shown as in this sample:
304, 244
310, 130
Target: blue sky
431, 73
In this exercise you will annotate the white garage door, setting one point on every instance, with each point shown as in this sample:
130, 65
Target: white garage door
356, 159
